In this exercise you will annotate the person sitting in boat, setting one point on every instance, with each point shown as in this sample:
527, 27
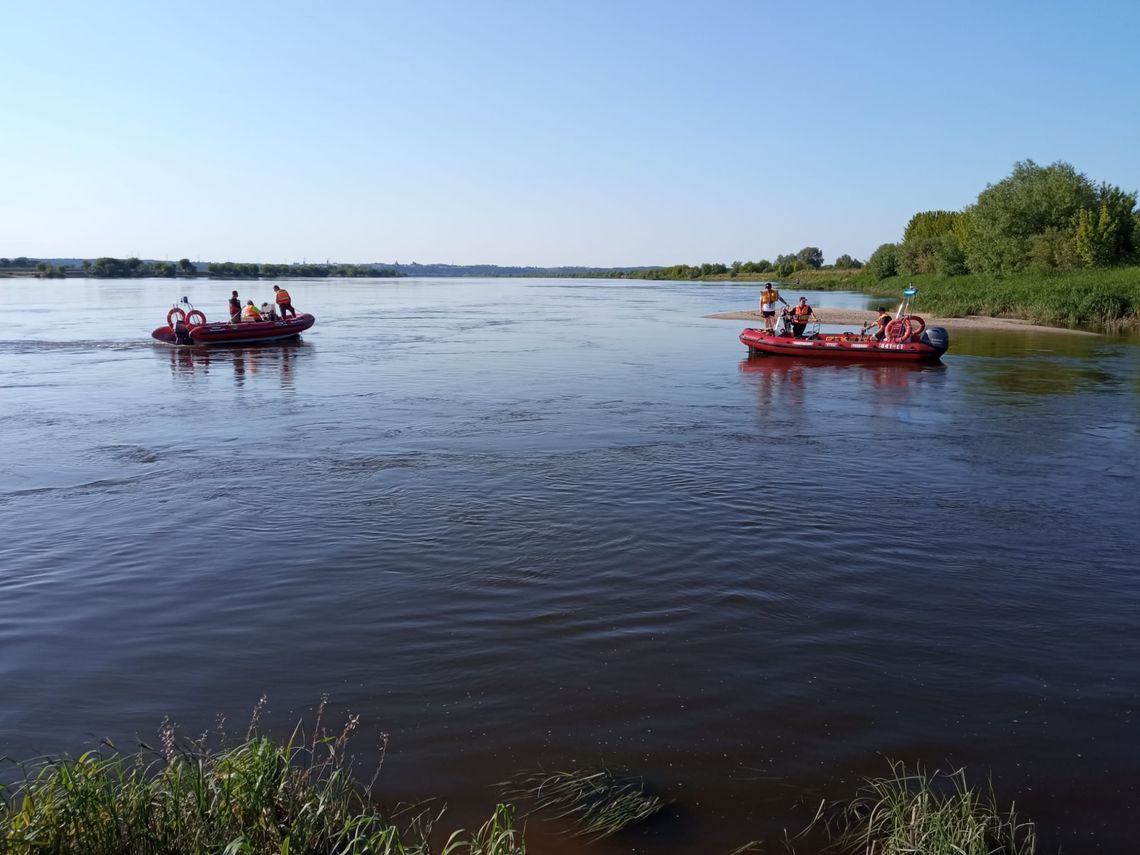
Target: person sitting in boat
250, 312
801, 314
268, 313
880, 323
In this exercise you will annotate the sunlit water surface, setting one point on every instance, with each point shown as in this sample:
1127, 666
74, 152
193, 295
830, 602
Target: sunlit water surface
521, 523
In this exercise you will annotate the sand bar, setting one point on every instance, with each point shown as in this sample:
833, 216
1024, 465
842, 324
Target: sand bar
858, 317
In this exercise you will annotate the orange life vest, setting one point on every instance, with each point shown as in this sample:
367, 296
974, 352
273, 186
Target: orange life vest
802, 312
282, 297
769, 297
251, 312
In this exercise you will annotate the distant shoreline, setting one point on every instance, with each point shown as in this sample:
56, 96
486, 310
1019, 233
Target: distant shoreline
858, 317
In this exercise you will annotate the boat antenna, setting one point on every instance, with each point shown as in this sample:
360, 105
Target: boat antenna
908, 292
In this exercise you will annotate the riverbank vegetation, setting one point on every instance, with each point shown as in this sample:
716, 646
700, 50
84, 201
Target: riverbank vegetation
1045, 244
300, 797
909, 812
291, 798
233, 270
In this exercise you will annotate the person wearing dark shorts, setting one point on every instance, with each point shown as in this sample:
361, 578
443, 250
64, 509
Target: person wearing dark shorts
235, 308
284, 302
768, 299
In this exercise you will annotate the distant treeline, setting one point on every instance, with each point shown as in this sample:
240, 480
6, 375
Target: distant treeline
1039, 220
234, 270
135, 268
808, 258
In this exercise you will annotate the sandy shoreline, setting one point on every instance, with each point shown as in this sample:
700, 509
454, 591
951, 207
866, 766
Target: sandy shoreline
858, 317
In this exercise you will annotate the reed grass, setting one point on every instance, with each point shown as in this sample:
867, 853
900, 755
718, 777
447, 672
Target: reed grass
596, 802
909, 812
300, 797
1103, 299
253, 798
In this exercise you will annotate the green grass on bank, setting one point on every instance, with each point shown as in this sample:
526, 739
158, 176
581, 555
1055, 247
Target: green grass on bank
1102, 299
260, 797
911, 813
255, 798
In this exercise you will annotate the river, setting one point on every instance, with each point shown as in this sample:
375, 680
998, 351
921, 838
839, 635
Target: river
558, 523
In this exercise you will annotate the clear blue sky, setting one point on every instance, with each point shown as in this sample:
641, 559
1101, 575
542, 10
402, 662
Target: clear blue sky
540, 132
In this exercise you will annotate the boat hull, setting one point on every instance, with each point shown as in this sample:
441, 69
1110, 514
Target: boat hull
848, 346
250, 332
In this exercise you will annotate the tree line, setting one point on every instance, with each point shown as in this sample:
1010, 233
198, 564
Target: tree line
1039, 219
235, 270
107, 267
808, 258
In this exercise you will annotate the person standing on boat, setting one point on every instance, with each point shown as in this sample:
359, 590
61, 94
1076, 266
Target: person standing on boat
284, 302
768, 299
801, 314
235, 308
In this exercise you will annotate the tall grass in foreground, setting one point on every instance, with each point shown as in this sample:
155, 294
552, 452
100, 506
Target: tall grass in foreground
299, 798
256, 797
912, 813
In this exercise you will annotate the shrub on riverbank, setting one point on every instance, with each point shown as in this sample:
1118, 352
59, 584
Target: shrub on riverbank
1107, 299
912, 813
300, 798
257, 797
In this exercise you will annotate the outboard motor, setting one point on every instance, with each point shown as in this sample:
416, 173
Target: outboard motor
182, 333
938, 338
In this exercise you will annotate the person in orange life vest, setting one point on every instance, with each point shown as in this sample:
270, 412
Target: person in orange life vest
768, 299
800, 316
235, 308
284, 303
250, 313
883, 319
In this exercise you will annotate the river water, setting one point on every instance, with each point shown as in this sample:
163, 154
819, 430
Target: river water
527, 523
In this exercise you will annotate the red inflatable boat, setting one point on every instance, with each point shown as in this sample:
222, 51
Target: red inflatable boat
905, 338
191, 327
928, 346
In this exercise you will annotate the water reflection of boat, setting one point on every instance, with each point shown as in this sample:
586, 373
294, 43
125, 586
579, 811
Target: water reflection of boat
244, 361
192, 328
887, 373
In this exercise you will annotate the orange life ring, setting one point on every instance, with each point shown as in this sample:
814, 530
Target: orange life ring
917, 325
196, 317
175, 313
898, 330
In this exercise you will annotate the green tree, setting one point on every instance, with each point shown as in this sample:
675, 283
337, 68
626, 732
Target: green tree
919, 255
1104, 235
931, 224
185, 265
811, 256
950, 256
1006, 217
884, 261
846, 262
